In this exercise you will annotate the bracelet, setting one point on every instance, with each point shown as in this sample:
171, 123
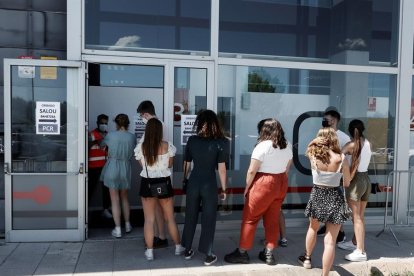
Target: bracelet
224, 190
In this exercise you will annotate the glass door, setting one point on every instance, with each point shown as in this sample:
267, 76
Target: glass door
44, 104
192, 84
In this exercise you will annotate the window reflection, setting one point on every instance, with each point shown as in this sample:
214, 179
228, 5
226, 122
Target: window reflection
346, 32
297, 98
150, 25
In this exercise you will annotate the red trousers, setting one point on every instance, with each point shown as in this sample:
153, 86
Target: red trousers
264, 199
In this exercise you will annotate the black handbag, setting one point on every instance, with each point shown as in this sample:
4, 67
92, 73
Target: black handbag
375, 188
375, 185
158, 186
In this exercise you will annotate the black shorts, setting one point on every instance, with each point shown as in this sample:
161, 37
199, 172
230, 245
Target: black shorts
145, 190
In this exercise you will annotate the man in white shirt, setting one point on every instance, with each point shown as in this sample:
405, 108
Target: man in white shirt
331, 118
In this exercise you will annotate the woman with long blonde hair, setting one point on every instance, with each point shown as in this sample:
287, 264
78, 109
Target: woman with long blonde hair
326, 203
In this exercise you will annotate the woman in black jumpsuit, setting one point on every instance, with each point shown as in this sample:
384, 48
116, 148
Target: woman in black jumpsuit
206, 151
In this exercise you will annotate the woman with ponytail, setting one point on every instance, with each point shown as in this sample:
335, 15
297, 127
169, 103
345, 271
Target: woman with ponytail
358, 192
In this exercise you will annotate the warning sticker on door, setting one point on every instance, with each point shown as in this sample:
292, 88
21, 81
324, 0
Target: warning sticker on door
48, 118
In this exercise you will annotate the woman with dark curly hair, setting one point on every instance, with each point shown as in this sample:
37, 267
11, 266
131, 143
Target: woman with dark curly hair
116, 174
207, 151
266, 187
327, 202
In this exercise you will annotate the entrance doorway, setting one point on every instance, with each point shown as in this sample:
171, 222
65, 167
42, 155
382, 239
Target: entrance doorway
114, 89
175, 88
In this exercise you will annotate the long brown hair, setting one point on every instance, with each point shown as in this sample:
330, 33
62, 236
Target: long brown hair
271, 129
356, 129
320, 148
152, 140
207, 125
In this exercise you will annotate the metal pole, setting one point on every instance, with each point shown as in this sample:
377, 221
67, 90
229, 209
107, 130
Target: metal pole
385, 226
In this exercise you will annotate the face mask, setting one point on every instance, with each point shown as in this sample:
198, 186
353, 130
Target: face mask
325, 123
103, 127
145, 120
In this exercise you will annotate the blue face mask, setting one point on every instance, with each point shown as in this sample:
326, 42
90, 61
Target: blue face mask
103, 127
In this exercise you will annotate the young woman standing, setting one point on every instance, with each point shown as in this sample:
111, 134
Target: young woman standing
326, 203
116, 174
266, 187
156, 158
359, 190
207, 151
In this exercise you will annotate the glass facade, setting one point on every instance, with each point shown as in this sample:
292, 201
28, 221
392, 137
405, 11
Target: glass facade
181, 26
330, 31
298, 98
269, 58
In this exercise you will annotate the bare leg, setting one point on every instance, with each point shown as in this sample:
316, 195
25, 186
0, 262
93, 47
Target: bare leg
359, 228
282, 225
148, 204
167, 206
160, 224
311, 236
329, 250
125, 204
116, 208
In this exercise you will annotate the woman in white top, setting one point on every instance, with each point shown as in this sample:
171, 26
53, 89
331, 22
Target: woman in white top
156, 158
266, 187
326, 202
359, 190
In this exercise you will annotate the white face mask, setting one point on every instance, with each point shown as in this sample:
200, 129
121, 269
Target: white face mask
145, 120
103, 127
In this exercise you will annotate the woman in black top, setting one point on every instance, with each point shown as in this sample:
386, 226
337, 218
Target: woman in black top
206, 151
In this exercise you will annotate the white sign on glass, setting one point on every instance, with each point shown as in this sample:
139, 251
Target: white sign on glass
187, 130
48, 118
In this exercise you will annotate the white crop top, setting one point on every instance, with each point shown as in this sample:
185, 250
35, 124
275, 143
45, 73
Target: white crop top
328, 179
365, 157
160, 168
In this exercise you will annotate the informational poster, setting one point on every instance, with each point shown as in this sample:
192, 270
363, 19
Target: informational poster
139, 127
26, 72
48, 73
187, 130
48, 118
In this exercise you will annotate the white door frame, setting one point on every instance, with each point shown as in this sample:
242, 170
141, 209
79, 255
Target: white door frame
78, 84
169, 65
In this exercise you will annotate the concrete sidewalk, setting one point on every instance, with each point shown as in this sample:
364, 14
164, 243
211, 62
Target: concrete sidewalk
107, 256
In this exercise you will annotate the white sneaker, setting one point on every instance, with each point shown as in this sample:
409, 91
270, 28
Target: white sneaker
128, 227
106, 214
116, 233
149, 254
356, 256
179, 250
349, 245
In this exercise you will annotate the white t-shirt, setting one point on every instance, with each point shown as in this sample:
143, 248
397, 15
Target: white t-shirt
160, 168
164, 133
342, 138
274, 160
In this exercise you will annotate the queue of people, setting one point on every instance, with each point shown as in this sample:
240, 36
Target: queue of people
340, 186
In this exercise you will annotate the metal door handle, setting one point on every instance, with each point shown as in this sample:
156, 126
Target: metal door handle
81, 168
6, 168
